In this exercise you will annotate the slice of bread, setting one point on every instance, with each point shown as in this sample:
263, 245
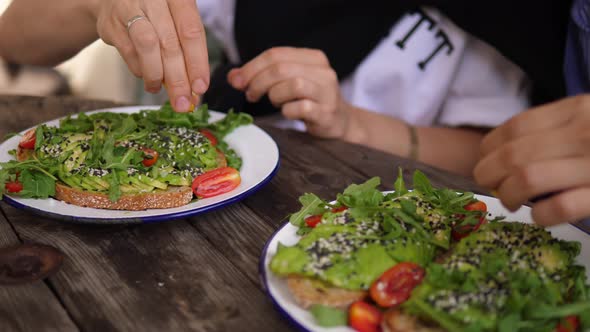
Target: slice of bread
395, 320
158, 199
308, 292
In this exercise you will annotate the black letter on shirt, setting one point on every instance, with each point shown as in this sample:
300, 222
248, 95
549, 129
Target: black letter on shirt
445, 42
423, 17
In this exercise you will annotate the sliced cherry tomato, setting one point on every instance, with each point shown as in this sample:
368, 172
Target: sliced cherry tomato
364, 317
395, 285
568, 324
477, 206
216, 182
313, 221
207, 133
462, 231
150, 157
29, 139
14, 186
221, 160
340, 208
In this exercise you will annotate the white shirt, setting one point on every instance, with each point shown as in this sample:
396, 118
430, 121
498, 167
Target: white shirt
465, 82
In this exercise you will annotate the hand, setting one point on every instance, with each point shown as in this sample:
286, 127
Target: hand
168, 46
542, 151
301, 83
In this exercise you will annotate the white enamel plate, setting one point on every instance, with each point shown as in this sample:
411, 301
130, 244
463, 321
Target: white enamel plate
277, 289
258, 150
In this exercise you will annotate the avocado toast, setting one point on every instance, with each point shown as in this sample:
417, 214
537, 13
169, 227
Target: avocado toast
124, 161
428, 260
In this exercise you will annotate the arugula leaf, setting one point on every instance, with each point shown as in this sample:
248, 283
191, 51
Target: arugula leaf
399, 185
311, 204
230, 122
509, 323
362, 195
327, 316
82, 123
167, 116
125, 127
232, 158
422, 184
114, 186
39, 137
36, 184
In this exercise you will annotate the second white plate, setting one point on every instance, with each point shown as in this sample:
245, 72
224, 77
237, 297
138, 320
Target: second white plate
279, 293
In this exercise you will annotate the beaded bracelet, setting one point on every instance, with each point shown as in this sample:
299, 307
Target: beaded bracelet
413, 143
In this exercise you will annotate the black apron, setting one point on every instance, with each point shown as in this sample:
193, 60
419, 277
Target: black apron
529, 33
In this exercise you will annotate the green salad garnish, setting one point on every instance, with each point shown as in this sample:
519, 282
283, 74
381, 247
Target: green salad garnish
121, 153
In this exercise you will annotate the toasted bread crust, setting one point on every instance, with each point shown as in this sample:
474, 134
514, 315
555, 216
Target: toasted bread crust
23, 154
159, 199
308, 292
396, 321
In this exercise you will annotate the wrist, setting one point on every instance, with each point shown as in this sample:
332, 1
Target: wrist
354, 130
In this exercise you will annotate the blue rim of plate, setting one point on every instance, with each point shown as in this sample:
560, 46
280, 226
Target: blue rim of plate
264, 278
147, 219
264, 282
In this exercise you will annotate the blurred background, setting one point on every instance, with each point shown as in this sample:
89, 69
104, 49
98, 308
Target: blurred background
97, 72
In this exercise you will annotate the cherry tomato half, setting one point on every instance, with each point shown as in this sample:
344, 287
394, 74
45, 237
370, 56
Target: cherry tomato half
477, 206
462, 231
207, 133
14, 186
340, 208
221, 160
395, 285
29, 139
568, 324
216, 182
364, 317
313, 221
150, 157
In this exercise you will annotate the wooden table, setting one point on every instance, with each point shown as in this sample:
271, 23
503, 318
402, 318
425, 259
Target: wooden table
195, 274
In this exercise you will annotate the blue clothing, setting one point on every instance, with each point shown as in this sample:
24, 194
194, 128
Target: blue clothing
577, 51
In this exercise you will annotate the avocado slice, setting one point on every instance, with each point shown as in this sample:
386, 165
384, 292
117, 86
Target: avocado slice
152, 182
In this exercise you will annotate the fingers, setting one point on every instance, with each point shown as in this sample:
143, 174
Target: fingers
294, 89
260, 84
126, 49
240, 78
500, 163
113, 32
194, 43
306, 110
543, 177
536, 120
570, 206
145, 43
175, 75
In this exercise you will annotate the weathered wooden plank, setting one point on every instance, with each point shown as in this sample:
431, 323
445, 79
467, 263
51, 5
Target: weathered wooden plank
29, 307
237, 232
156, 277
304, 168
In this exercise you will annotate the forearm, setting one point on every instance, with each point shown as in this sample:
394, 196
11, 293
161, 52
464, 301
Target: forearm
453, 149
46, 32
